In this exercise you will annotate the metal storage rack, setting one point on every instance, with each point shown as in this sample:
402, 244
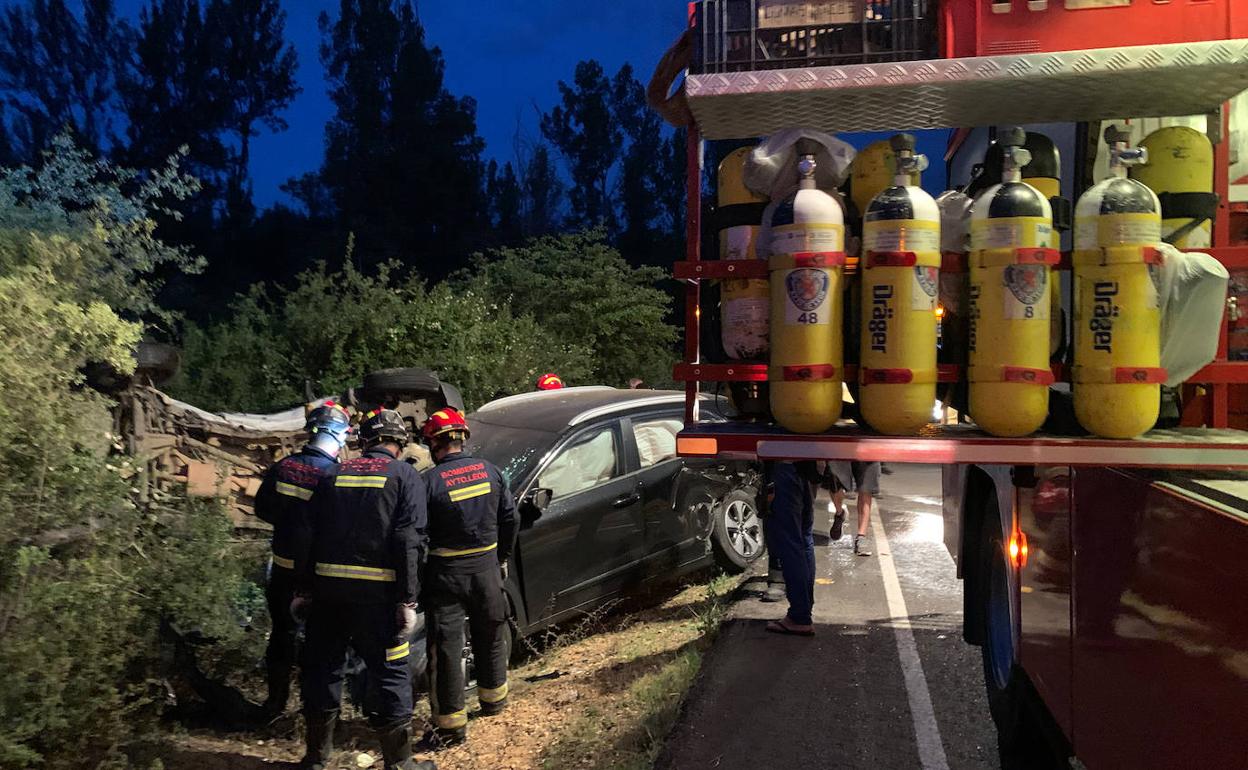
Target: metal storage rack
1089, 85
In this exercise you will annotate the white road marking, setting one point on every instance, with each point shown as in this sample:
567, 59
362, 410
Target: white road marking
926, 731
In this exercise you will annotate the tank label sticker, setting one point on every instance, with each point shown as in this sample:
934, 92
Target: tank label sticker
881, 317
927, 285
1010, 233
901, 235
807, 290
972, 339
737, 242
1105, 311
1117, 230
1025, 297
792, 239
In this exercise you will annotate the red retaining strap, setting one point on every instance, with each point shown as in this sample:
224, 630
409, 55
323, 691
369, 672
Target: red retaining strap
1139, 375
818, 258
808, 372
887, 376
1027, 376
891, 259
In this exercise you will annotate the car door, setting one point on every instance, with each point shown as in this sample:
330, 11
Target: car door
674, 506
590, 537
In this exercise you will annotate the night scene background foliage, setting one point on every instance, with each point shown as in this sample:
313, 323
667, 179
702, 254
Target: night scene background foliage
403, 167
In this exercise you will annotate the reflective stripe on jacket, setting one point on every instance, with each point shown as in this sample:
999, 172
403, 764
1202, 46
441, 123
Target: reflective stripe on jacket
284, 495
471, 510
366, 538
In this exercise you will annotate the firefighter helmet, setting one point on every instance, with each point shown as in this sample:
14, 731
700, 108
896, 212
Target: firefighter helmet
381, 425
443, 422
329, 425
549, 382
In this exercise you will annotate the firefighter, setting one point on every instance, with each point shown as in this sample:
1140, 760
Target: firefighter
472, 531
549, 382
358, 562
282, 501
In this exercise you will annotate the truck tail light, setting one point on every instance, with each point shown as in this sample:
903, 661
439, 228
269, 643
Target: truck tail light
706, 447
1018, 550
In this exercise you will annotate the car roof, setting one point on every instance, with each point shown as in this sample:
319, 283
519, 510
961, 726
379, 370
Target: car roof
555, 410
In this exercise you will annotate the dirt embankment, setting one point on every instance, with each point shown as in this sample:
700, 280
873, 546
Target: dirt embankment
601, 695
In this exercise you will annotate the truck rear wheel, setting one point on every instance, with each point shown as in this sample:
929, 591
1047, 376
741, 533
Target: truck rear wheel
1021, 739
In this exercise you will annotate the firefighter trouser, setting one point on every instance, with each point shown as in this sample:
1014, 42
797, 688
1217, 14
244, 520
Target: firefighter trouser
371, 630
449, 596
789, 527
279, 657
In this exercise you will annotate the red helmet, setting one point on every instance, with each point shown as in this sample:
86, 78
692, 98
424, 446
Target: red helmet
549, 382
444, 421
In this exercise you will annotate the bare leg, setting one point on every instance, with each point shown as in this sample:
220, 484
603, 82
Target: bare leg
864, 512
861, 546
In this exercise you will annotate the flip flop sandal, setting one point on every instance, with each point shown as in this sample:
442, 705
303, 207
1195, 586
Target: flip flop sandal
781, 627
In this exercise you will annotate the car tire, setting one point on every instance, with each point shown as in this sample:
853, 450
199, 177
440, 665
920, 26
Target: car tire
156, 361
737, 533
409, 381
1021, 739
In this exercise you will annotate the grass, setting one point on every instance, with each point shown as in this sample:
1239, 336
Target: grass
660, 660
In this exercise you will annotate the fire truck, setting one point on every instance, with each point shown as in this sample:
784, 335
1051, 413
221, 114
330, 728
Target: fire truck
1104, 579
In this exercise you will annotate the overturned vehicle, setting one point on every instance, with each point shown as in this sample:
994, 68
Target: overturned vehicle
223, 455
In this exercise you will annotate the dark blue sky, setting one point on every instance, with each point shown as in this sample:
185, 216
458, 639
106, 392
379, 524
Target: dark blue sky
507, 54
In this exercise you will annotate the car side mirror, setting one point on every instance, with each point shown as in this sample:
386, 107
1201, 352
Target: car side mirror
532, 505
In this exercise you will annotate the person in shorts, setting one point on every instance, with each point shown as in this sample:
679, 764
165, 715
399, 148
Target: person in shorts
864, 480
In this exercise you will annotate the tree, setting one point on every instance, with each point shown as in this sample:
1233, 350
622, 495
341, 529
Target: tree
506, 203
276, 338
76, 195
76, 553
638, 186
255, 71
402, 158
59, 72
584, 130
580, 288
542, 193
170, 99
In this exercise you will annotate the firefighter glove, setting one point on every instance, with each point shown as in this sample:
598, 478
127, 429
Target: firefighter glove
405, 617
299, 607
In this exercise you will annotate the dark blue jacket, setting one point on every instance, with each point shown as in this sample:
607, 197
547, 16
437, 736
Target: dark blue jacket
365, 534
285, 494
471, 512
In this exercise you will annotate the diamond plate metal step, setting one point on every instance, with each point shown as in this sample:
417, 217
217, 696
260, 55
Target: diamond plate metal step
1096, 84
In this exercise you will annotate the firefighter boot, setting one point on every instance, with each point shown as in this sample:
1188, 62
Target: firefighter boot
279, 691
493, 709
440, 738
396, 749
320, 740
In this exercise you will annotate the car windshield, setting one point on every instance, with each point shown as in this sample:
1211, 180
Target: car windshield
514, 450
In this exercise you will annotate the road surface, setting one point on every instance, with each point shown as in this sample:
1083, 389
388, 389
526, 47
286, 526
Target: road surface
887, 682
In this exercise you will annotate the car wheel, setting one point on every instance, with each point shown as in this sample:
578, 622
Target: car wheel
403, 382
156, 361
738, 532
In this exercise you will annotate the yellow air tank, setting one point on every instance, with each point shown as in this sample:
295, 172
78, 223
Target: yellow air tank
873, 170
901, 276
744, 302
1117, 372
807, 242
1180, 172
1011, 284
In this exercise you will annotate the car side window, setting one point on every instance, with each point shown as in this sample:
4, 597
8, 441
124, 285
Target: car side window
590, 460
656, 439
